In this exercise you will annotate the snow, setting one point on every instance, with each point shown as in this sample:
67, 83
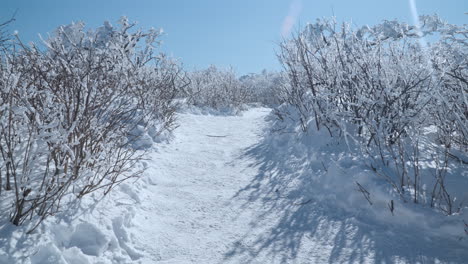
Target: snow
89, 239
227, 190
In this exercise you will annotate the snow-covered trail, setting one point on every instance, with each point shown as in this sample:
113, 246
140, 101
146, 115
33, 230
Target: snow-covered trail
223, 191
209, 196
189, 214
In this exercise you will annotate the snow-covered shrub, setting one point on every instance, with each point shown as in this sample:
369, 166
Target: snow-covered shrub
449, 108
265, 88
215, 88
402, 99
69, 114
220, 89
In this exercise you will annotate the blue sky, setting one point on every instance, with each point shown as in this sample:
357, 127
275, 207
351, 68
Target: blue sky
241, 33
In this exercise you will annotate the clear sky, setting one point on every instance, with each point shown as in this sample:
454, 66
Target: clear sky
240, 33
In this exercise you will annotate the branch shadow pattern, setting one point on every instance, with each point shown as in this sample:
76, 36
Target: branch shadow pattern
299, 224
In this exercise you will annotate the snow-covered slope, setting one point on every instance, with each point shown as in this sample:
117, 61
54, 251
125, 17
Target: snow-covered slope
226, 191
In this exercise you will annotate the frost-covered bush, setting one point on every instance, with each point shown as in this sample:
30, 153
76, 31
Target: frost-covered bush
215, 88
71, 114
265, 88
402, 99
221, 89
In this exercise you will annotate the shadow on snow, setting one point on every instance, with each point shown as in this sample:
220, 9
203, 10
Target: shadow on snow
301, 222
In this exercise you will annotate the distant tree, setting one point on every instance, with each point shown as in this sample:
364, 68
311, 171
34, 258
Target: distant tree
216, 88
265, 88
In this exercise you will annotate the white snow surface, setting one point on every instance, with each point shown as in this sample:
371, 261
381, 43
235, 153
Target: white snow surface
224, 190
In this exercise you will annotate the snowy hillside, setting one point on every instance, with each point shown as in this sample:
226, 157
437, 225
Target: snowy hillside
227, 190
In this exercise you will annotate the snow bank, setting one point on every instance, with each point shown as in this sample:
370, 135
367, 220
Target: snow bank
312, 166
93, 230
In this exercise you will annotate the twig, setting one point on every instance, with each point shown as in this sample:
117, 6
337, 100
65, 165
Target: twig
391, 206
364, 192
457, 158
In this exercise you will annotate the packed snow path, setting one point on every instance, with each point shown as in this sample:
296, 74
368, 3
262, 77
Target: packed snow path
191, 215
207, 198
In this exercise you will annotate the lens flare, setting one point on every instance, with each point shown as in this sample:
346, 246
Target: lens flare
417, 24
294, 11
